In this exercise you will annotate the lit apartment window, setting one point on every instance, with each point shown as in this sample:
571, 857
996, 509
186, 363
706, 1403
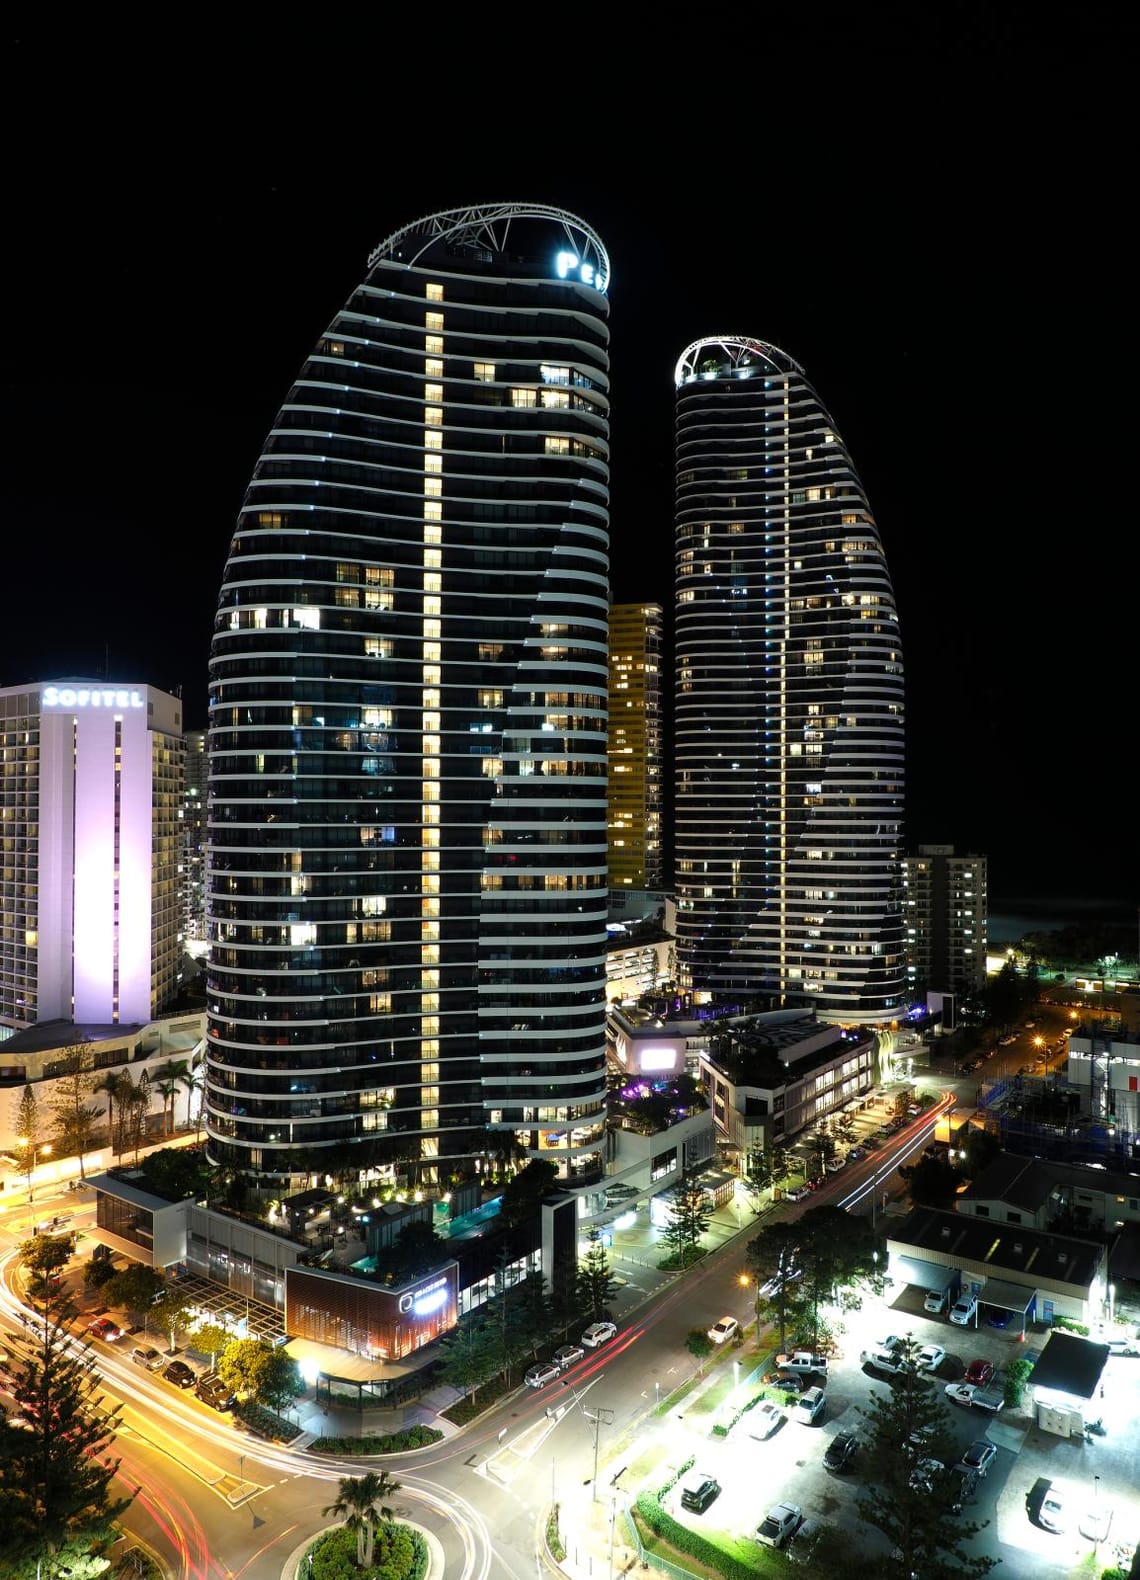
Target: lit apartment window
521, 397
485, 372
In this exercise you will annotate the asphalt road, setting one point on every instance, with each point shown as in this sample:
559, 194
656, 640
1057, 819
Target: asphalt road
218, 1505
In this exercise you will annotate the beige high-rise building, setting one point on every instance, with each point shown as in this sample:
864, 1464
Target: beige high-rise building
635, 787
945, 910
194, 842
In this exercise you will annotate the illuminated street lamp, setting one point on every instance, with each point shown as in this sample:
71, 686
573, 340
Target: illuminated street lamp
34, 1152
745, 1282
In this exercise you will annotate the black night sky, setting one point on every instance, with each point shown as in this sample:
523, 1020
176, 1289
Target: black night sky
933, 217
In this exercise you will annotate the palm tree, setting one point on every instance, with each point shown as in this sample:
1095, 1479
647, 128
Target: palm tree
192, 1080
133, 1110
168, 1080
359, 1501
116, 1084
345, 1506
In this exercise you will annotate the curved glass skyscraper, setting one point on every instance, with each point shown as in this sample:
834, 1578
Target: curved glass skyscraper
407, 792
789, 698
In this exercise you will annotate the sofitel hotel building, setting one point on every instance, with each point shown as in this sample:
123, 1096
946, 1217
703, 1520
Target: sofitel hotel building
90, 793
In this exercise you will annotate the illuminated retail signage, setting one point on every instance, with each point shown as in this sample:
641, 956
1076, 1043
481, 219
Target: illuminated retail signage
654, 1059
428, 1298
569, 264
90, 697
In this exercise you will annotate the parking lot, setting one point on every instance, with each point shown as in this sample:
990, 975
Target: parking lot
1098, 1479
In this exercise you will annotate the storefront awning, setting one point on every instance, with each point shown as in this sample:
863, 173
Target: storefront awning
924, 1275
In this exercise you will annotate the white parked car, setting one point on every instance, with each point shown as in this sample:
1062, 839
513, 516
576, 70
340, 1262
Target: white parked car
1053, 1515
538, 1376
964, 1310
763, 1419
810, 1406
930, 1357
727, 1328
597, 1333
935, 1301
778, 1524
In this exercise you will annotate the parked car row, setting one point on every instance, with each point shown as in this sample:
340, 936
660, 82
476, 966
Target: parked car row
543, 1372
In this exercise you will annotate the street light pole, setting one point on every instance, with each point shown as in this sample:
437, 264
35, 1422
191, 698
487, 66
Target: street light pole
597, 1416
34, 1150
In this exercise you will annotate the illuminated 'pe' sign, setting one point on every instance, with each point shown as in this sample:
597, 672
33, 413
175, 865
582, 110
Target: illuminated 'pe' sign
568, 265
90, 697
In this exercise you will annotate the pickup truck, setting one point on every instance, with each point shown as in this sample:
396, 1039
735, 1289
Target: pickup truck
802, 1361
884, 1357
991, 1397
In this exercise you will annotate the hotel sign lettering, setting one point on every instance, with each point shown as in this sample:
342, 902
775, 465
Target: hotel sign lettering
91, 697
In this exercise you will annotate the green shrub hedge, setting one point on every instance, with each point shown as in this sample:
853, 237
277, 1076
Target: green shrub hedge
386, 1443
656, 1519
399, 1554
1071, 1325
266, 1423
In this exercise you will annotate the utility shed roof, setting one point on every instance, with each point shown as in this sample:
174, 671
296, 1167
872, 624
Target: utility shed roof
999, 1249
1070, 1365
